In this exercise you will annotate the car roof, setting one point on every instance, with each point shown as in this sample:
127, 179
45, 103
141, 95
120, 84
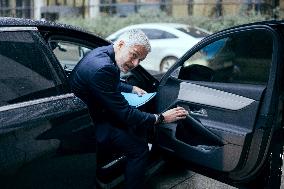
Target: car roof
172, 25
43, 25
163, 25
175, 28
176, 25
9, 21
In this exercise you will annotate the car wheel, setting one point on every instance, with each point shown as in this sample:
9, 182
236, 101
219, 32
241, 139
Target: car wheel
167, 63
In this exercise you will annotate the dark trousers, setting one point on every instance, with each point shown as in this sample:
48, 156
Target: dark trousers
133, 147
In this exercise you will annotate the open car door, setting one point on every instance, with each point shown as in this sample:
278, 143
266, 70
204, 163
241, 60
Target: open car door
230, 85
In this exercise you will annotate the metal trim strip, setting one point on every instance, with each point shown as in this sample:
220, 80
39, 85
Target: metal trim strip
8, 29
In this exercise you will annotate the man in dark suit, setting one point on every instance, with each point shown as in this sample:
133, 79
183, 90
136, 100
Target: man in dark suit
96, 80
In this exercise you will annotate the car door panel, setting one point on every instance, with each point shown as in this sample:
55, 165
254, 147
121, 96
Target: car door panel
205, 155
30, 123
42, 122
227, 107
239, 113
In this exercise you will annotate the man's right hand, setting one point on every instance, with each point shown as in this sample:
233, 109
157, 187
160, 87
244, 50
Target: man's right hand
174, 114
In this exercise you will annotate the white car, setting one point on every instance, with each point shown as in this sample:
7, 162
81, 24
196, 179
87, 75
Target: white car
169, 41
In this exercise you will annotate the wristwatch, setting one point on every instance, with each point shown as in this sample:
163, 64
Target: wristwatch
161, 119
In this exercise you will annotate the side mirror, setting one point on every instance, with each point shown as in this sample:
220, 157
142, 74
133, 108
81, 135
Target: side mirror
196, 72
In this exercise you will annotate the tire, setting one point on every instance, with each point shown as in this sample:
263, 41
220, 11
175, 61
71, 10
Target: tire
167, 63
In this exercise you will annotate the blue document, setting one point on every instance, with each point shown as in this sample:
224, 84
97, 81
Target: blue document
135, 100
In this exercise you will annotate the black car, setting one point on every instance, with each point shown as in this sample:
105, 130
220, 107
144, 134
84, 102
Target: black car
234, 94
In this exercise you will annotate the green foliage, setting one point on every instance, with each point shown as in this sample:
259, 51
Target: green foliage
217, 24
105, 25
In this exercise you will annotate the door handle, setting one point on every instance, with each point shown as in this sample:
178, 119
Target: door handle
200, 112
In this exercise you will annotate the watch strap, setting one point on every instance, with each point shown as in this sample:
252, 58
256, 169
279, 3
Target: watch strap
161, 119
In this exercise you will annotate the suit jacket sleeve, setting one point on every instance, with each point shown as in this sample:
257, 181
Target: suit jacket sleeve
105, 84
125, 87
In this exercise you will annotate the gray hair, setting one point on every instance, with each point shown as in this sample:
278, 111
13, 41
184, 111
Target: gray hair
135, 37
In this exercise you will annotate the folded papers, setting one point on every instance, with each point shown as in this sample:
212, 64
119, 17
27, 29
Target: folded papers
135, 100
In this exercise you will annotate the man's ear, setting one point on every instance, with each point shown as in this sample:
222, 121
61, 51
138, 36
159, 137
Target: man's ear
120, 44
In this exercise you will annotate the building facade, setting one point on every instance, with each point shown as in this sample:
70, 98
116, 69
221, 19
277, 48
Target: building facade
53, 9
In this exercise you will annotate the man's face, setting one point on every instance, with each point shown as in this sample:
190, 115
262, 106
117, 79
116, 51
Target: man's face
128, 58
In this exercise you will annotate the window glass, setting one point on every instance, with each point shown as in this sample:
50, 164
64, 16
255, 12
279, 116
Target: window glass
157, 34
168, 35
242, 58
68, 53
26, 72
194, 32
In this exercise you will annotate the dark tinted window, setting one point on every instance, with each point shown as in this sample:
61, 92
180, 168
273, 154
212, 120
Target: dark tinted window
194, 32
26, 72
242, 58
158, 34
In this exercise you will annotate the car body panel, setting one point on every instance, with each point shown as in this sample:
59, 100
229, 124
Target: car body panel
42, 122
26, 122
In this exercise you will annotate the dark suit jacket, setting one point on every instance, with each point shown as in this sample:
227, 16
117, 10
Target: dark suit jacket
96, 80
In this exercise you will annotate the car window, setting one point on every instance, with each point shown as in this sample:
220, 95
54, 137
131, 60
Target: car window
26, 71
243, 58
158, 34
68, 53
151, 34
194, 32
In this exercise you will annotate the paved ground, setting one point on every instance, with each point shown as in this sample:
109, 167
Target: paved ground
66, 175
178, 178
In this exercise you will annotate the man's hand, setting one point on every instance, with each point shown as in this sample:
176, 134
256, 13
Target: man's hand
138, 91
174, 114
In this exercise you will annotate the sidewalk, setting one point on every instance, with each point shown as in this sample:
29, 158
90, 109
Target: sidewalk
177, 178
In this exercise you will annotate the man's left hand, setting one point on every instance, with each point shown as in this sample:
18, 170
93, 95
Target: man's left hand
138, 91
